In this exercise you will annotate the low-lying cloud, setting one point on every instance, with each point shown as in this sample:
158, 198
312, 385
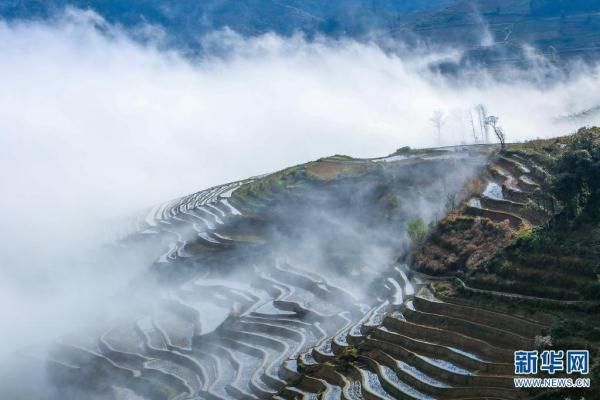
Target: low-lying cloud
94, 125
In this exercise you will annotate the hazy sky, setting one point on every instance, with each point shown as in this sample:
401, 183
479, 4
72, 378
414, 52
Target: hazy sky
94, 125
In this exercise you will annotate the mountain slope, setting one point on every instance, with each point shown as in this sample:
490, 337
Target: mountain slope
496, 31
254, 275
186, 20
552, 269
304, 283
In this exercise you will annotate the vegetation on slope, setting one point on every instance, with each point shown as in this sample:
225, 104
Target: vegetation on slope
553, 268
496, 31
184, 21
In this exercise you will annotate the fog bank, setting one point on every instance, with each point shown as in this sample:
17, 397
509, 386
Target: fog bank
94, 126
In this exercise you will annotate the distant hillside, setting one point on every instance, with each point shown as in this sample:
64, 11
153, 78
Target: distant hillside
497, 30
185, 20
494, 31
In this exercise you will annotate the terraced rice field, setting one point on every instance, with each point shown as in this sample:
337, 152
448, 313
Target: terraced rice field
226, 323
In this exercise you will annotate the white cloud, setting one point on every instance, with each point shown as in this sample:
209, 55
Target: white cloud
94, 125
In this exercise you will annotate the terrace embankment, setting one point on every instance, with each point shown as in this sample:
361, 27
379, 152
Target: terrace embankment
529, 243
260, 278
303, 284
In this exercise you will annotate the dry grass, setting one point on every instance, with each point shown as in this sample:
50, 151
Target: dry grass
461, 243
325, 170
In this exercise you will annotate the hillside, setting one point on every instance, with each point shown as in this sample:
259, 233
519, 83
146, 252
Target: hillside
530, 263
495, 32
185, 21
409, 276
500, 32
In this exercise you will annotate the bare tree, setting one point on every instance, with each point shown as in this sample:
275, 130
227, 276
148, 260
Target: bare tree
493, 122
501, 136
437, 119
484, 128
451, 197
451, 201
475, 137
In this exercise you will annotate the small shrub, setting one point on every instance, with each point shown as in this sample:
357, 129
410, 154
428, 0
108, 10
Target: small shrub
416, 230
403, 150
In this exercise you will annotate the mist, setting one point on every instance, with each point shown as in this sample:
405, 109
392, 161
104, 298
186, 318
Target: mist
95, 126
